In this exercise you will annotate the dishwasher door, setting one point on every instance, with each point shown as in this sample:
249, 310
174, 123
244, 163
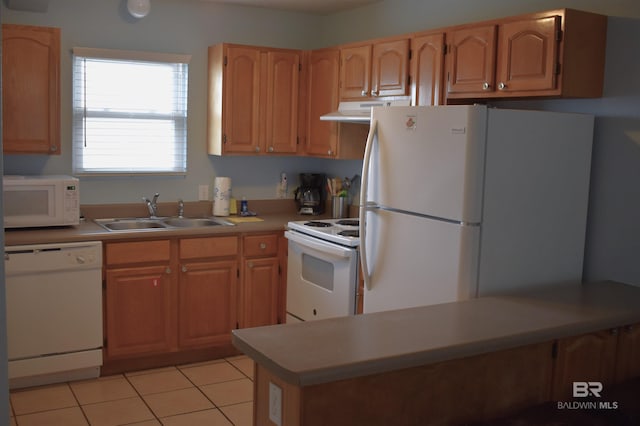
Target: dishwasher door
54, 309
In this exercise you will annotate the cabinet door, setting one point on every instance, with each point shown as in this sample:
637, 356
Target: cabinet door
471, 60
282, 101
390, 68
31, 89
355, 72
207, 303
241, 103
260, 292
628, 355
585, 358
138, 310
323, 75
427, 63
527, 54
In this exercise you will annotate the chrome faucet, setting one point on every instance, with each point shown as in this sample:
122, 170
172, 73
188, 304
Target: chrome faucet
180, 208
152, 205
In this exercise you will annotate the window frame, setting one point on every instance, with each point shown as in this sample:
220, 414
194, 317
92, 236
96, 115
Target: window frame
179, 114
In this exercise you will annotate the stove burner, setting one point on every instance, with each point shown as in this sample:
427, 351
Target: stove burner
349, 233
317, 224
348, 222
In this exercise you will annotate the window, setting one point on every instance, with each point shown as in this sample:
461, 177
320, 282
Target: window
129, 112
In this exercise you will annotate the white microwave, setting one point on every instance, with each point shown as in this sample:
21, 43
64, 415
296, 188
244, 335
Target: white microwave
34, 201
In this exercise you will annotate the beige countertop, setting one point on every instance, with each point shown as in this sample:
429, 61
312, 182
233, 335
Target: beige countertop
275, 215
334, 349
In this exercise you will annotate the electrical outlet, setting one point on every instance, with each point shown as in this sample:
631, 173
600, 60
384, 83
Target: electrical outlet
203, 192
275, 404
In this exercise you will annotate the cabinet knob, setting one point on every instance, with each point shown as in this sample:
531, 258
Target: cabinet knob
250, 264
330, 152
364, 93
613, 331
53, 148
486, 86
167, 271
184, 268
257, 149
270, 149
263, 246
374, 93
502, 86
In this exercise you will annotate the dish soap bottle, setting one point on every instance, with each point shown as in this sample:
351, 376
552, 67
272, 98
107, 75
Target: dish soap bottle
244, 207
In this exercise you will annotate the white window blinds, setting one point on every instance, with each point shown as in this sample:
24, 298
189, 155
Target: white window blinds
129, 112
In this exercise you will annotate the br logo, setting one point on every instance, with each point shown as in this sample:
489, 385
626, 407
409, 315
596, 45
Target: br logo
585, 389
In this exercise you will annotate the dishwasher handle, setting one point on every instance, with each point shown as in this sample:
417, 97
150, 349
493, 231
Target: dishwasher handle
43, 258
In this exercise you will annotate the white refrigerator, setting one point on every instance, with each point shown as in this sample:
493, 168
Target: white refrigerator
466, 201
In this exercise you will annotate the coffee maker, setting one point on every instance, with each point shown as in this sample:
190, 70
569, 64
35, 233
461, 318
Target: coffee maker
310, 194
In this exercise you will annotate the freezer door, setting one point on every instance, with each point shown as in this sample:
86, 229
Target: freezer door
429, 160
414, 261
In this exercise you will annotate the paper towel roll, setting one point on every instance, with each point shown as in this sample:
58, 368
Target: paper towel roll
221, 196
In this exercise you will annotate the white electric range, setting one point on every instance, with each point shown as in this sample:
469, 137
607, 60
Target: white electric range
323, 270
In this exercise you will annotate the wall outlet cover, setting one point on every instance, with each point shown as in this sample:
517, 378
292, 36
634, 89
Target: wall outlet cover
203, 192
275, 404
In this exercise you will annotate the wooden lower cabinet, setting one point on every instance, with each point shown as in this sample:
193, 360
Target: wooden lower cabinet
172, 300
451, 392
260, 281
207, 301
585, 358
169, 296
628, 353
138, 310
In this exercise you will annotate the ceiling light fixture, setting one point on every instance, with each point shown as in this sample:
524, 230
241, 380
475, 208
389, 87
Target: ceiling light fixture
138, 8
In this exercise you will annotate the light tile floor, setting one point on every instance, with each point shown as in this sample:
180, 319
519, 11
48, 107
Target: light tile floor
214, 393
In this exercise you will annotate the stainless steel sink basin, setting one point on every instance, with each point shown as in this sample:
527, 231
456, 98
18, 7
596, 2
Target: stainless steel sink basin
141, 224
188, 222
129, 224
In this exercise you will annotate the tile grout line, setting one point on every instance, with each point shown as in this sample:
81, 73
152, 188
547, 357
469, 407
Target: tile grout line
141, 397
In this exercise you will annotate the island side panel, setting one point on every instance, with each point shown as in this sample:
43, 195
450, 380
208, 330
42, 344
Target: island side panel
469, 389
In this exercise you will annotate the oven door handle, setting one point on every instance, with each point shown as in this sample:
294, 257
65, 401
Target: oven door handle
319, 245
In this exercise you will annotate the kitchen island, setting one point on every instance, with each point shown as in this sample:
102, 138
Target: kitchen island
451, 363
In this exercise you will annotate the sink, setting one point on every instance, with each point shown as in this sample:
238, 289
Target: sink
129, 224
194, 222
141, 224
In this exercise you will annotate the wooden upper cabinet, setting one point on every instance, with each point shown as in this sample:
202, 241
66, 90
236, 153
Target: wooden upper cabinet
374, 70
253, 100
355, 72
390, 68
323, 76
558, 53
527, 54
241, 100
427, 65
31, 89
283, 73
471, 60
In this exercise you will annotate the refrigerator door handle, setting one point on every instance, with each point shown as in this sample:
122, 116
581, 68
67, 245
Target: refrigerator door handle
364, 203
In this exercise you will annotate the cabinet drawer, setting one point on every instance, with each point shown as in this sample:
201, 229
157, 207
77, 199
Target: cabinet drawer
260, 245
137, 252
194, 248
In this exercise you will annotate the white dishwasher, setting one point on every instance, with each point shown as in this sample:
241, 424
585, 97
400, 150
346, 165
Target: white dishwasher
54, 312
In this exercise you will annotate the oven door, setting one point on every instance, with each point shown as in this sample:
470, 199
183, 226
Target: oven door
321, 278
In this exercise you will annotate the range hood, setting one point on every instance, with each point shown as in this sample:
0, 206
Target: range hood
360, 111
